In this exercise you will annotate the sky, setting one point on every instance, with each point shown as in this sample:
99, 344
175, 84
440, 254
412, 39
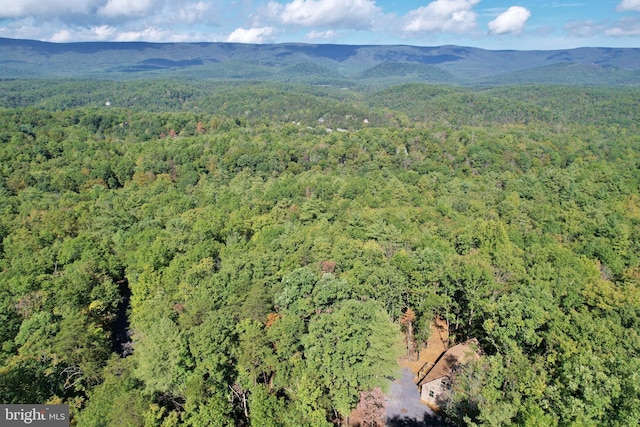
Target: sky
488, 24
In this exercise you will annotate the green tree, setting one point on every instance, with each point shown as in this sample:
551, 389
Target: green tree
351, 349
161, 356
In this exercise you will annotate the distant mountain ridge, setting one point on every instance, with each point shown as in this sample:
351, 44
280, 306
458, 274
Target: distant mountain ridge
319, 63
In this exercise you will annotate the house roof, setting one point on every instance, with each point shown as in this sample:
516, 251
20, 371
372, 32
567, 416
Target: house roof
456, 355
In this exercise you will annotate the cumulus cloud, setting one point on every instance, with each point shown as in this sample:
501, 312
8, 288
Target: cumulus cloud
98, 12
628, 5
191, 12
91, 20
116, 8
625, 27
49, 8
26, 28
512, 21
150, 34
62, 36
353, 14
57, 31
586, 28
113, 33
455, 16
252, 35
265, 21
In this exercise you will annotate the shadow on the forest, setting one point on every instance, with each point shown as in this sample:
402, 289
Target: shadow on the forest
427, 421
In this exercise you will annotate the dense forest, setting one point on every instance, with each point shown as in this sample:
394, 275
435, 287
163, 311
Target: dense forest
193, 253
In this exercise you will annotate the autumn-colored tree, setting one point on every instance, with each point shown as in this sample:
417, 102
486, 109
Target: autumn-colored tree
371, 409
406, 320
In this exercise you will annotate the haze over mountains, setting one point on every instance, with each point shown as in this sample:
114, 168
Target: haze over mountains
343, 65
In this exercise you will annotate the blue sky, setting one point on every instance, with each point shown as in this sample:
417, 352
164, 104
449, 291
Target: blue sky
489, 24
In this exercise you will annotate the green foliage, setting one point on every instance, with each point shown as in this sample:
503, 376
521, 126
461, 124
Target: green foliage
266, 409
160, 354
118, 400
261, 267
348, 349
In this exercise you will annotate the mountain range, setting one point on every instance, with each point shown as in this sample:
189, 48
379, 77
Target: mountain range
324, 64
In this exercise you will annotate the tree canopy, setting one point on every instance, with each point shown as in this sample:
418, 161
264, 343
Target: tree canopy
220, 256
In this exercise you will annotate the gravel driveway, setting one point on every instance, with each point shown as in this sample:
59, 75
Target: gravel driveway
404, 408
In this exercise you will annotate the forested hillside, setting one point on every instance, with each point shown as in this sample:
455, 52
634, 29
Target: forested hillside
320, 64
206, 254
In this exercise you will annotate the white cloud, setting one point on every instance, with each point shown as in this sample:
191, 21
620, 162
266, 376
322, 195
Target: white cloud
191, 12
118, 8
174, 14
151, 34
102, 32
26, 28
585, 28
512, 21
97, 12
628, 5
454, 16
95, 33
49, 8
353, 14
625, 27
105, 20
314, 36
62, 36
266, 21
61, 33
252, 35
